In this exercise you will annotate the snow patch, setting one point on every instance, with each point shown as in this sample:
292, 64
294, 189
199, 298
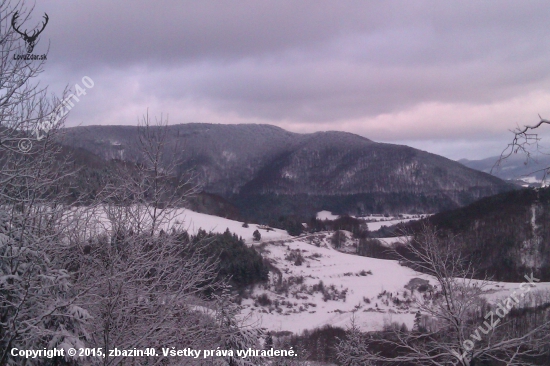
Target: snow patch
326, 215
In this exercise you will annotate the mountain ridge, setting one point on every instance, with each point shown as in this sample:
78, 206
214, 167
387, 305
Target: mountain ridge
266, 168
515, 167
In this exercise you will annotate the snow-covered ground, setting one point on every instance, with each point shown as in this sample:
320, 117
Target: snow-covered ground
394, 240
374, 222
373, 226
350, 283
372, 289
531, 179
312, 283
193, 221
95, 220
326, 215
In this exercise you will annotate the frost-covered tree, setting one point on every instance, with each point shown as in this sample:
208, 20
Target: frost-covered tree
146, 292
150, 193
39, 307
235, 333
455, 326
351, 350
147, 280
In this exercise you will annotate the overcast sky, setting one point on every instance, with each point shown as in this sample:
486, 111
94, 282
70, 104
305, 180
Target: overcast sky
449, 77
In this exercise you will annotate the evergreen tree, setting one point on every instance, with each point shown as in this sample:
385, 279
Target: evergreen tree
268, 341
417, 322
351, 349
256, 235
234, 333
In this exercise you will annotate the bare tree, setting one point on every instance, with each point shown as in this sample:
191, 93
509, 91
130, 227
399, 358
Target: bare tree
235, 332
146, 291
153, 191
148, 282
526, 141
133, 279
455, 326
39, 308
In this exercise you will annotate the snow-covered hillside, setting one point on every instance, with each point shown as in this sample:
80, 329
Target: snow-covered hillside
193, 221
326, 286
317, 285
374, 222
96, 220
311, 284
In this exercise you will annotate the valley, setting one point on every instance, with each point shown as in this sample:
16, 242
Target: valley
312, 284
267, 183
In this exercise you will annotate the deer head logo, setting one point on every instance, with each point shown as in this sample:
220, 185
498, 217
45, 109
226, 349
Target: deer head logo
30, 39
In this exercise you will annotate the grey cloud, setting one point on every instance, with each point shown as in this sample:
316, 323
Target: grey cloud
125, 32
304, 65
324, 91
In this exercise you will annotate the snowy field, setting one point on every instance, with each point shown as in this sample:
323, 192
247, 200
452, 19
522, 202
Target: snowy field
97, 219
374, 222
393, 240
352, 284
326, 215
312, 283
193, 221
372, 289
373, 226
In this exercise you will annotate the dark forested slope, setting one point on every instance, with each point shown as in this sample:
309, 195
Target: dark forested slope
508, 235
267, 171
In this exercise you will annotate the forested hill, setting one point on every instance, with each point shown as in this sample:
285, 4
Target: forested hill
267, 171
508, 235
95, 172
